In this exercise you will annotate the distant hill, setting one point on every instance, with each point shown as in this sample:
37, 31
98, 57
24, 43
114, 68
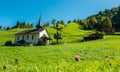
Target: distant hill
72, 32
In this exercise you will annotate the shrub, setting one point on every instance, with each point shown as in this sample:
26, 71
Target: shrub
103, 33
100, 33
8, 43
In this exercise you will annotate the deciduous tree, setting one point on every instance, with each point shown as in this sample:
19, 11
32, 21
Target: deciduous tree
57, 36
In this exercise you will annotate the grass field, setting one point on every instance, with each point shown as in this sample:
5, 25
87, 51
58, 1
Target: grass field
71, 33
60, 58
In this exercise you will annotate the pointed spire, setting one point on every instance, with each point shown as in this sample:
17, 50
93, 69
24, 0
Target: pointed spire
39, 25
40, 21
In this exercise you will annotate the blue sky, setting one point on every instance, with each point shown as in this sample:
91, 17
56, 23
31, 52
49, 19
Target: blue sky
12, 11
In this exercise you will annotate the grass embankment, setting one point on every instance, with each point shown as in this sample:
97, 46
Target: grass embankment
58, 58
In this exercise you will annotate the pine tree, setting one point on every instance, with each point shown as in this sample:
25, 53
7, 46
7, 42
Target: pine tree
0, 27
18, 24
46, 24
69, 21
54, 22
62, 22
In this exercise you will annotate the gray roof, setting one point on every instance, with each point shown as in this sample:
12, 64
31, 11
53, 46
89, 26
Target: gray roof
30, 31
39, 25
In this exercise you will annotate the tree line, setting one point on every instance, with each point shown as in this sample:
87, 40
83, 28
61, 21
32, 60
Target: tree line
107, 18
18, 25
24, 25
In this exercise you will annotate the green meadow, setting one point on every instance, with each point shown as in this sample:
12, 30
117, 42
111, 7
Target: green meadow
71, 33
61, 58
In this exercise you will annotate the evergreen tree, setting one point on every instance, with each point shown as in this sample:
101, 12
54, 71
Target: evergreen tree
8, 28
18, 24
69, 21
47, 24
116, 19
74, 20
22, 25
57, 24
32, 25
54, 22
62, 22
78, 21
0, 27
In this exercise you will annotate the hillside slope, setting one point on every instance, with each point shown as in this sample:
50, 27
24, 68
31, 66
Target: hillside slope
6, 35
60, 58
71, 33
55, 58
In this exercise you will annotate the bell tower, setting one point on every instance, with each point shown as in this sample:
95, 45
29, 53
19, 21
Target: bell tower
39, 25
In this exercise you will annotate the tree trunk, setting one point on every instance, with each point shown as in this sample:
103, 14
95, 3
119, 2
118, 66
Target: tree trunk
57, 40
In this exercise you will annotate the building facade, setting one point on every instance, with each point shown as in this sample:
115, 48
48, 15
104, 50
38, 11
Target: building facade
38, 36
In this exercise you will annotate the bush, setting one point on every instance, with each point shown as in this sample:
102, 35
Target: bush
100, 33
103, 33
8, 43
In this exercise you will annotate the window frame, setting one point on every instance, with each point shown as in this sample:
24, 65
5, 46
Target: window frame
32, 37
27, 37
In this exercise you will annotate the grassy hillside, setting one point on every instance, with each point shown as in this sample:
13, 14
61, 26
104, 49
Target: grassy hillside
7, 35
60, 58
71, 33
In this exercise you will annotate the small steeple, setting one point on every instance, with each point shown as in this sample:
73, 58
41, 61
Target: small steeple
39, 25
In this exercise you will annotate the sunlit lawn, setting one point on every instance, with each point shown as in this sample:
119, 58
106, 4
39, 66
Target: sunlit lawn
60, 58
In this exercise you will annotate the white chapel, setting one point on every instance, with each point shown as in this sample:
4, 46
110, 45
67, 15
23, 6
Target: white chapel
38, 36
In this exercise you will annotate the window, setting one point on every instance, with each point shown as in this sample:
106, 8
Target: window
17, 37
23, 37
32, 37
27, 36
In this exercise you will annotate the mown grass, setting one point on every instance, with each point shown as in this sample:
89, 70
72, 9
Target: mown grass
60, 58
